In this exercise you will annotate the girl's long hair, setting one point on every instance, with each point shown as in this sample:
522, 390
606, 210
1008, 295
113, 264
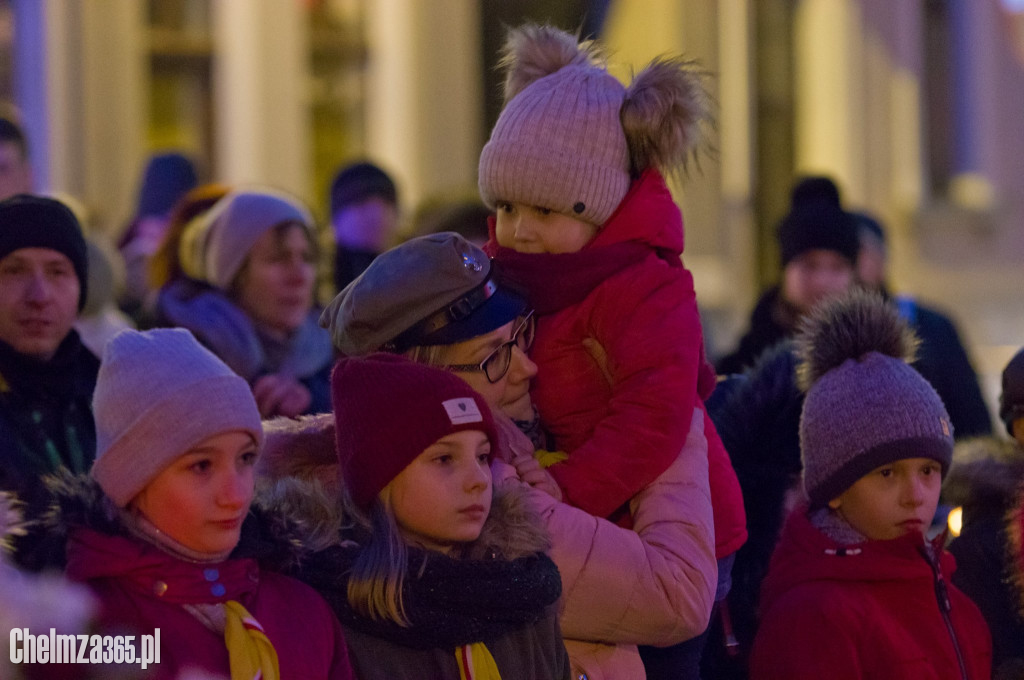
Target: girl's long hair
375, 584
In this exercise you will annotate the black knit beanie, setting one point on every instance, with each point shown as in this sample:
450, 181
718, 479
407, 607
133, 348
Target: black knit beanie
816, 221
1011, 400
358, 182
28, 221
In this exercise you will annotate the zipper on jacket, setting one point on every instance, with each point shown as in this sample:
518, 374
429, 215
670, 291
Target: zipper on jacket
945, 606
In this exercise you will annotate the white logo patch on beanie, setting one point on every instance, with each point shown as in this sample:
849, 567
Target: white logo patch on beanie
462, 410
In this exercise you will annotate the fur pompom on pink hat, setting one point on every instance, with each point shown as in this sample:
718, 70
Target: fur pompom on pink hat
572, 137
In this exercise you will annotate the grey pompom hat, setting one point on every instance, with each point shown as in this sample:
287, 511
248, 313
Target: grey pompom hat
865, 406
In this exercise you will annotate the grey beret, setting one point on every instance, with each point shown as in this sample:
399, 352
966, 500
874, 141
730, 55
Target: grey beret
432, 290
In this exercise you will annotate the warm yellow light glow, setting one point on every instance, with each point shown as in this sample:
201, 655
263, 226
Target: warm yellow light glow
955, 521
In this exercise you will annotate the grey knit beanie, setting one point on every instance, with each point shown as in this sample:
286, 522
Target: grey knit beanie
572, 137
214, 246
559, 144
865, 406
158, 394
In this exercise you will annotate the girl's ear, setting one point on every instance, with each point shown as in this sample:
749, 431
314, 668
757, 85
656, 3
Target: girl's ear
664, 115
532, 52
835, 503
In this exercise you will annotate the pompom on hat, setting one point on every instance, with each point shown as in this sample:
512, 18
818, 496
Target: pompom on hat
158, 394
817, 221
388, 410
571, 137
865, 406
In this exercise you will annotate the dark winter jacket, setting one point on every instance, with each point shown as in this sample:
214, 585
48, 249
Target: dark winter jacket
141, 587
941, 358
984, 479
877, 609
501, 590
757, 414
771, 322
45, 424
944, 363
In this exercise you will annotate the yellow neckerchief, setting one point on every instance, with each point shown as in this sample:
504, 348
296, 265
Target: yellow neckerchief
475, 663
251, 655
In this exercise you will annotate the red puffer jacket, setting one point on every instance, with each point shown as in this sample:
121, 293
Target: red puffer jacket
878, 609
141, 588
627, 290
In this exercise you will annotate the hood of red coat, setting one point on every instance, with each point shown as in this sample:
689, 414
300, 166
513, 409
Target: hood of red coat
647, 214
804, 554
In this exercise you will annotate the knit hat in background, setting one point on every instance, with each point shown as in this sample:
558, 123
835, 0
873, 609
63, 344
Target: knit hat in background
1011, 399
817, 221
432, 290
167, 178
158, 394
559, 142
388, 410
28, 221
357, 182
214, 246
865, 406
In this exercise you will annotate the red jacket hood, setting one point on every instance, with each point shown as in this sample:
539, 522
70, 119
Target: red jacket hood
647, 214
806, 554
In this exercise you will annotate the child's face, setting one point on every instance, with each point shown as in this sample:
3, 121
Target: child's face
893, 499
532, 229
443, 497
201, 498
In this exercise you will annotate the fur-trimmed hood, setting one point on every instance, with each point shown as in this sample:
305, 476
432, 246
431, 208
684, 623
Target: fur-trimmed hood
512, 530
984, 477
271, 534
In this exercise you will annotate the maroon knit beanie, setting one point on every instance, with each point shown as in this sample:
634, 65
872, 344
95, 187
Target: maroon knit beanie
388, 410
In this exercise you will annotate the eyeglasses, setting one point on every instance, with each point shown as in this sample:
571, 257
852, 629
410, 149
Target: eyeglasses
496, 364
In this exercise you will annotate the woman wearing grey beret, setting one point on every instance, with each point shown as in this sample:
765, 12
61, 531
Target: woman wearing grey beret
437, 299
247, 295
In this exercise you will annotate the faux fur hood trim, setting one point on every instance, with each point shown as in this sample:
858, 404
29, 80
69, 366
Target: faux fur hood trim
301, 448
270, 534
513, 528
1015, 549
984, 475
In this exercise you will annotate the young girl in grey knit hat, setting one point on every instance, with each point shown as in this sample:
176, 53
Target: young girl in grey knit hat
164, 533
855, 588
575, 168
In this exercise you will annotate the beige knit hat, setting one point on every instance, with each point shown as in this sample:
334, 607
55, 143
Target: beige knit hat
158, 394
571, 137
214, 245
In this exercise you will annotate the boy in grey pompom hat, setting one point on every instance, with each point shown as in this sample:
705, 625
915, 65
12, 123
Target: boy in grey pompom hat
158, 394
865, 405
855, 588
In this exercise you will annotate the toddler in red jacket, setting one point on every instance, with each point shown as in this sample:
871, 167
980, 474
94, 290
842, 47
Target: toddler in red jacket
587, 227
855, 589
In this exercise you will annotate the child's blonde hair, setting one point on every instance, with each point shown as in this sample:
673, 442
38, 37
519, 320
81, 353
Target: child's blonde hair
375, 583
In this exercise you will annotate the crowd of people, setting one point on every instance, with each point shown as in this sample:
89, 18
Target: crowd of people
500, 453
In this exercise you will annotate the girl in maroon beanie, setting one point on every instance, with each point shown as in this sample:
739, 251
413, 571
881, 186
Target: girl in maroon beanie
434, 573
